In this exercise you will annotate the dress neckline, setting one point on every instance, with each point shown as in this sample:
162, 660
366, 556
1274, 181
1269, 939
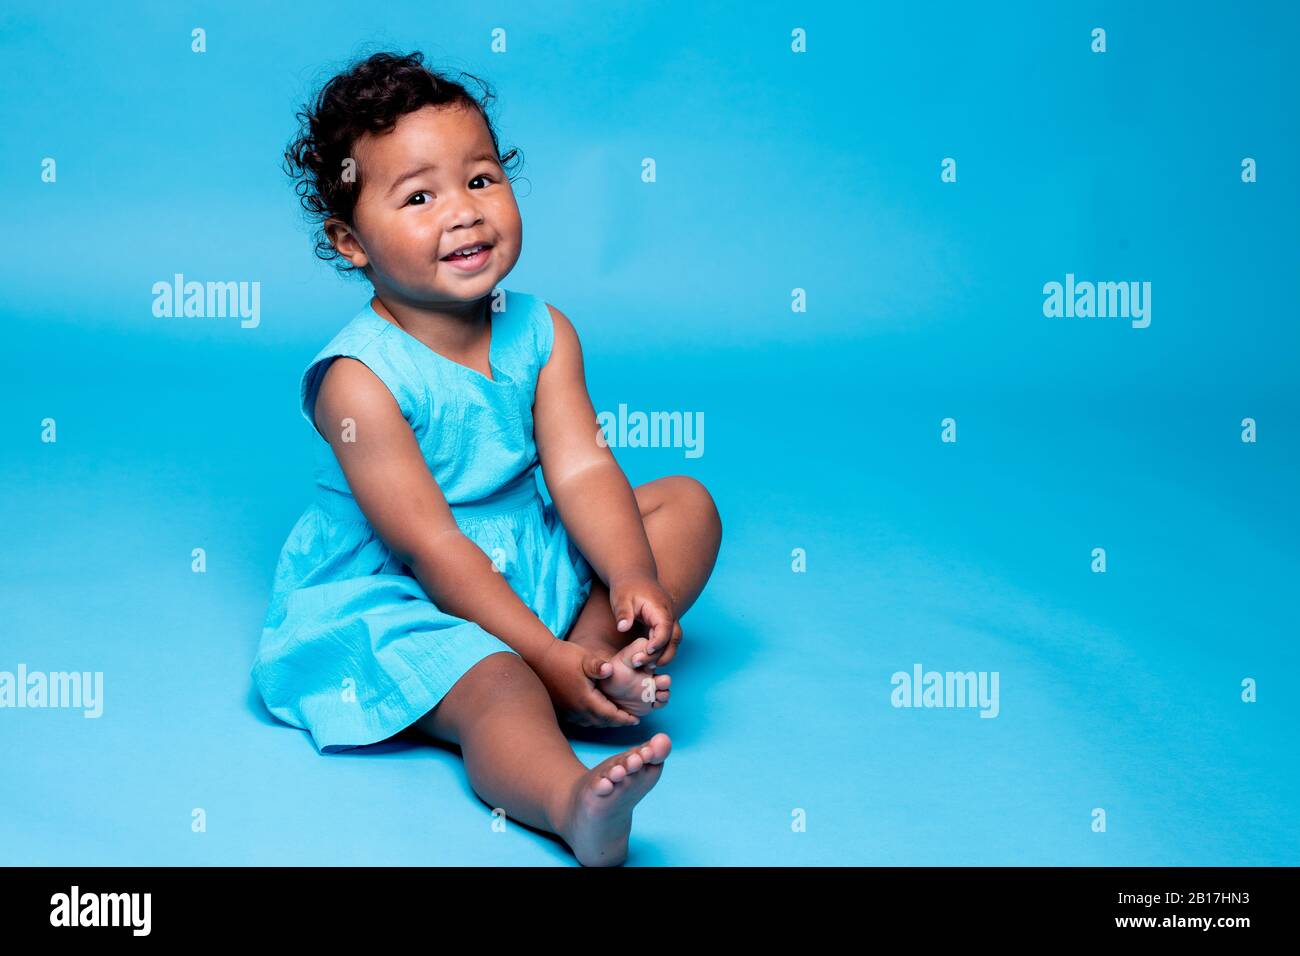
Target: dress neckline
499, 375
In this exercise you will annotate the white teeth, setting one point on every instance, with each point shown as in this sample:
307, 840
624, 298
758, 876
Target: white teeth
472, 250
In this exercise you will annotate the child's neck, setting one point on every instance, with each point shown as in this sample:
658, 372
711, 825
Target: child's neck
449, 331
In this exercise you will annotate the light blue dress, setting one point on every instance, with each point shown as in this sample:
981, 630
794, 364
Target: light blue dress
352, 648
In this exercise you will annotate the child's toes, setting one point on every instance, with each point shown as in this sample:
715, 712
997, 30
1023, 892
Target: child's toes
634, 762
628, 764
660, 746
646, 689
662, 691
634, 655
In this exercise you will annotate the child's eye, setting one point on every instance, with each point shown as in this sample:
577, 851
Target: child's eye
425, 192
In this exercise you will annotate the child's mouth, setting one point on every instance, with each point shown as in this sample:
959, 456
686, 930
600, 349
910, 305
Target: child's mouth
469, 263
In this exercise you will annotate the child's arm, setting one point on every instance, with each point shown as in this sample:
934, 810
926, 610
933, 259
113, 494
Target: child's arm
591, 493
394, 488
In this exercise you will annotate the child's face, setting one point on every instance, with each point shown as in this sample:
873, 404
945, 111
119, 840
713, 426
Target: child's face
404, 225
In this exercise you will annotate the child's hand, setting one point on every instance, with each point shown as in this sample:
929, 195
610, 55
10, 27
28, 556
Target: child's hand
642, 598
569, 672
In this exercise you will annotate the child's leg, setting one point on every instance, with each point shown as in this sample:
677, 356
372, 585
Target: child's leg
685, 533
501, 716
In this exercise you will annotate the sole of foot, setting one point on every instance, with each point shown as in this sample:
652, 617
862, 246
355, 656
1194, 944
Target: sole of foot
633, 679
600, 814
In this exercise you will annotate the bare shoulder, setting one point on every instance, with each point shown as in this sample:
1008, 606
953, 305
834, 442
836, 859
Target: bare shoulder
351, 390
566, 352
559, 318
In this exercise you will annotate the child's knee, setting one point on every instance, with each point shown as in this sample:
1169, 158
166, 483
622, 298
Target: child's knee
691, 495
499, 679
505, 678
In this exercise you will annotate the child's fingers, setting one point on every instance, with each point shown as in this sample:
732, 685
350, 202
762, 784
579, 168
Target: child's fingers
670, 651
596, 667
660, 622
624, 613
653, 652
603, 707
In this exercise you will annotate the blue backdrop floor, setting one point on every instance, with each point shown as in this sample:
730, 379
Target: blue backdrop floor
1119, 691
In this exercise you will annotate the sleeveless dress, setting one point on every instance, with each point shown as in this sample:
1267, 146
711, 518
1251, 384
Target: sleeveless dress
352, 648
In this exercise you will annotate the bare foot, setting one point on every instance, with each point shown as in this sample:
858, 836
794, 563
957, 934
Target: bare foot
633, 684
599, 819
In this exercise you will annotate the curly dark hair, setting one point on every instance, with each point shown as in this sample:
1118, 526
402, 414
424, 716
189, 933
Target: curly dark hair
367, 97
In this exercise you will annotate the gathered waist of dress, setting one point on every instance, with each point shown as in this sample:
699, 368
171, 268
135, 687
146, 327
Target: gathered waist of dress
518, 493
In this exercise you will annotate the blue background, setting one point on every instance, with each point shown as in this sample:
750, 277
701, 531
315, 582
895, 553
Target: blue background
776, 171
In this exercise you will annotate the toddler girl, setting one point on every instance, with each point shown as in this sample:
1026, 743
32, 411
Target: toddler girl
428, 586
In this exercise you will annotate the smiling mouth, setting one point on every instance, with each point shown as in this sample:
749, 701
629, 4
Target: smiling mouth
470, 252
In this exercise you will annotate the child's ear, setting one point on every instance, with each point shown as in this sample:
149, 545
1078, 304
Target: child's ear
345, 241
